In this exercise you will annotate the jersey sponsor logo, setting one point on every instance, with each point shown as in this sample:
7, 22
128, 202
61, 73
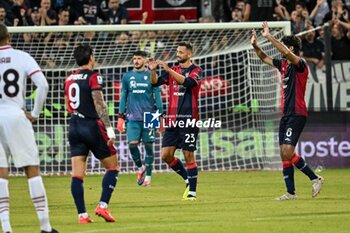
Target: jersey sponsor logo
142, 84
179, 93
138, 91
78, 77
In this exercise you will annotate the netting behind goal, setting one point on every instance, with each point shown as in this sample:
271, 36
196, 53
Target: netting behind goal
236, 88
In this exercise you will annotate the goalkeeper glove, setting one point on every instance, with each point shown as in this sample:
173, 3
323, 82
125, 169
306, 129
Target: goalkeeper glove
121, 122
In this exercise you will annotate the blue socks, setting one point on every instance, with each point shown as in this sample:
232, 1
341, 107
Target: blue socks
178, 167
192, 171
108, 184
77, 190
288, 175
299, 162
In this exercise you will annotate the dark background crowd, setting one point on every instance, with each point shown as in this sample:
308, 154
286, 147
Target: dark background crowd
304, 15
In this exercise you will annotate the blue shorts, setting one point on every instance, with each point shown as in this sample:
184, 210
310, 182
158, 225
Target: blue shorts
291, 128
184, 138
136, 132
88, 134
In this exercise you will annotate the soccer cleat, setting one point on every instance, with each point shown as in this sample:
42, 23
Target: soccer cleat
86, 220
104, 213
317, 185
286, 197
141, 176
184, 196
146, 183
190, 198
52, 231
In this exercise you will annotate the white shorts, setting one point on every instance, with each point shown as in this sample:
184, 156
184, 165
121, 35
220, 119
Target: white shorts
17, 139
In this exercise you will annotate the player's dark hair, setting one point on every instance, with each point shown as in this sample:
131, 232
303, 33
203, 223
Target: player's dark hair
187, 45
3, 32
140, 53
82, 54
292, 41
301, 3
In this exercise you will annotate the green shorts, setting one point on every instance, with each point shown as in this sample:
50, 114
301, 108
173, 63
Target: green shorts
135, 132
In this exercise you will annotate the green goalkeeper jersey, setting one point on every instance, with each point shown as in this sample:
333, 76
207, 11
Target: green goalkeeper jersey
138, 95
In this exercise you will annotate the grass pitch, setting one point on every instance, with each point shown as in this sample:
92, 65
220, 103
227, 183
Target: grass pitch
227, 202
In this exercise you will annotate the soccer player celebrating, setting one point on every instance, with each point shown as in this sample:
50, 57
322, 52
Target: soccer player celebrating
294, 72
183, 81
16, 132
89, 130
137, 97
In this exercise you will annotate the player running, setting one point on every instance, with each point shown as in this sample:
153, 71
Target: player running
16, 132
294, 72
183, 82
137, 97
89, 130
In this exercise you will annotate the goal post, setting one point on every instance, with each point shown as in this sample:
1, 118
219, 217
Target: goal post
236, 88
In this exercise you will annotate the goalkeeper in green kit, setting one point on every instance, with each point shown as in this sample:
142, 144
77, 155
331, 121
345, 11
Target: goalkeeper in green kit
138, 96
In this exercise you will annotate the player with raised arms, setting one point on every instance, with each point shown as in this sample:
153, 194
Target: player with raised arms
16, 131
184, 86
138, 96
89, 130
294, 73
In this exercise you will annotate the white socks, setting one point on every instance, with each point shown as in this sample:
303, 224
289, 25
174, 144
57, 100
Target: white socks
4, 206
148, 178
192, 193
38, 195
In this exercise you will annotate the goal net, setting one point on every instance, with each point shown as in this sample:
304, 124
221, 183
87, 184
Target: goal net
236, 88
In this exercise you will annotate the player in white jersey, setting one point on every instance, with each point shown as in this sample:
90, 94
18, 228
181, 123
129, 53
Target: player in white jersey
16, 132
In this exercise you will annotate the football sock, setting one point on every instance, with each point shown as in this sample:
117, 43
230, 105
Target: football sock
192, 171
135, 154
299, 162
4, 206
148, 179
288, 175
39, 199
108, 184
179, 168
78, 194
149, 158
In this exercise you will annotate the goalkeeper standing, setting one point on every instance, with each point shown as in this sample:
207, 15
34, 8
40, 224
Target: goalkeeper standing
184, 86
294, 73
137, 97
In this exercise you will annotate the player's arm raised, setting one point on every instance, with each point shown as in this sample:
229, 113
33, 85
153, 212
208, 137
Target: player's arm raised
179, 78
261, 54
294, 59
122, 103
152, 65
102, 111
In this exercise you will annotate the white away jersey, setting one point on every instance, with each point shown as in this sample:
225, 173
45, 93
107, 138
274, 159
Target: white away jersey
15, 67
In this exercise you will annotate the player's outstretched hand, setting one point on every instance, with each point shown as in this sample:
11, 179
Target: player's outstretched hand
152, 65
253, 39
266, 31
30, 117
163, 64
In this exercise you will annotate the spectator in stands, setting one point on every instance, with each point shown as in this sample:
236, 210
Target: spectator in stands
48, 15
117, 13
260, 10
63, 17
35, 17
313, 51
87, 12
336, 11
221, 10
318, 13
237, 14
3, 19
297, 23
340, 42
285, 16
